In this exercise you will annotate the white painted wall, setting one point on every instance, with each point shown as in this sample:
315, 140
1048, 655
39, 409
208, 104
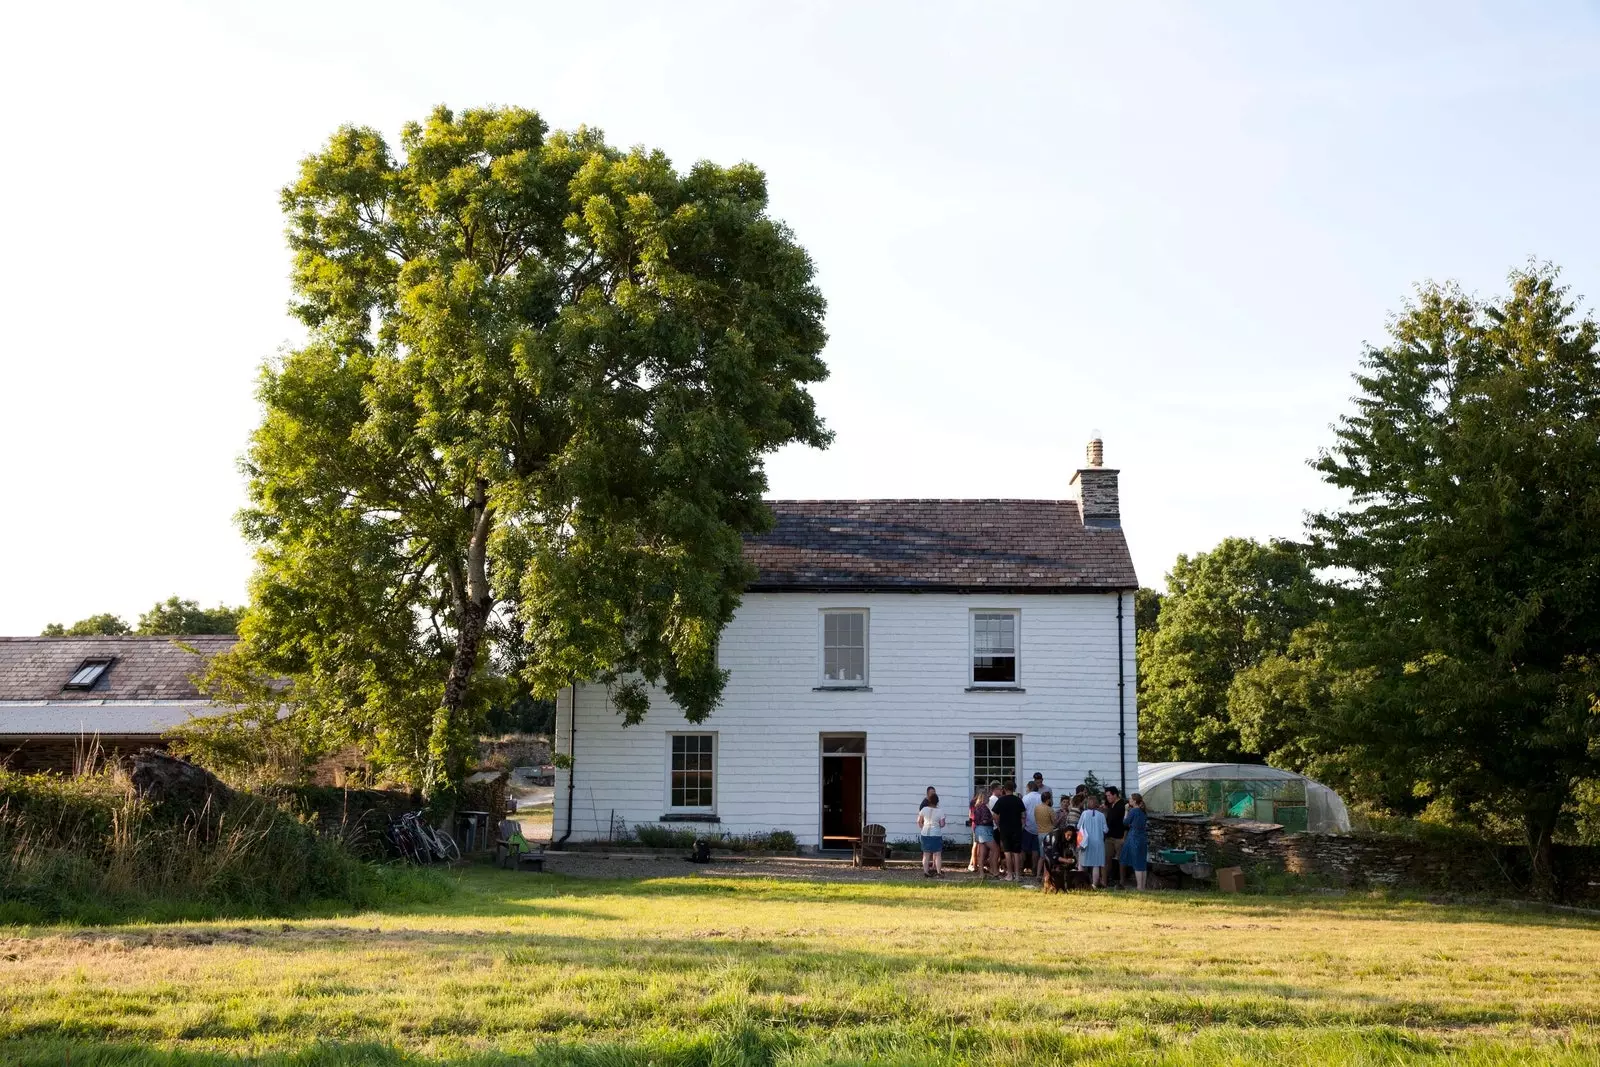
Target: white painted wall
918, 716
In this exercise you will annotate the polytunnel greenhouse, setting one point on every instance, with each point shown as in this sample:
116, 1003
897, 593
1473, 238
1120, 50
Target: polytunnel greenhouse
1243, 791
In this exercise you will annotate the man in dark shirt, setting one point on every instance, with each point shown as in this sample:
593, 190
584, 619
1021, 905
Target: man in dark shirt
1009, 812
1116, 830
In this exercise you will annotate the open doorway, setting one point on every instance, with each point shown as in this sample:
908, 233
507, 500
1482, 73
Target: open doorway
844, 789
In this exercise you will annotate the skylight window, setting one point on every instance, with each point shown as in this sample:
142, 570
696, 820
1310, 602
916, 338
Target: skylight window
88, 673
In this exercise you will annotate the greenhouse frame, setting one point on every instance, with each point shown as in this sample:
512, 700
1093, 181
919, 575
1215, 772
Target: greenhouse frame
1243, 791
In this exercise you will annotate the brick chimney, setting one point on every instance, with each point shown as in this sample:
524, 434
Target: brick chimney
1094, 487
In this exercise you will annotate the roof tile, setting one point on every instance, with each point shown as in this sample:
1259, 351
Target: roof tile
937, 545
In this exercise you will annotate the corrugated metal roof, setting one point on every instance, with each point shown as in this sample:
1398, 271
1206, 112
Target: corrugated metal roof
24, 719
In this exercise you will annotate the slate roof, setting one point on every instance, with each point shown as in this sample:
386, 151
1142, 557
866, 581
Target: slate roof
142, 668
1022, 546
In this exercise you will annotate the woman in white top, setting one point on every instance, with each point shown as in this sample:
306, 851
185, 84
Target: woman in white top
1092, 842
930, 827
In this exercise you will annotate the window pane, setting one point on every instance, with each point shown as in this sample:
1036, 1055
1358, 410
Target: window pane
994, 669
844, 646
692, 771
993, 758
994, 648
853, 665
844, 744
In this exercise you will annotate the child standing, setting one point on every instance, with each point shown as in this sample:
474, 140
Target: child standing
930, 826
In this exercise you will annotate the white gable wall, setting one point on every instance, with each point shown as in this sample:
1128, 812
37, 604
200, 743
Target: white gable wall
918, 716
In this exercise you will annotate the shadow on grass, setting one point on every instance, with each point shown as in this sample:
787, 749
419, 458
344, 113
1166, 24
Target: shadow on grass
758, 1046
489, 891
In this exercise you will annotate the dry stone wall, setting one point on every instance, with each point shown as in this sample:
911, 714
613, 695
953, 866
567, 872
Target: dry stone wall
1376, 860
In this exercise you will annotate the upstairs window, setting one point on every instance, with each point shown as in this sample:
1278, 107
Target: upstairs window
693, 775
994, 648
88, 673
844, 648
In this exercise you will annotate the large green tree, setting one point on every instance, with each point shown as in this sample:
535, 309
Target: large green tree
1471, 553
172, 616
541, 378
177, 616
102, 625
1223, 613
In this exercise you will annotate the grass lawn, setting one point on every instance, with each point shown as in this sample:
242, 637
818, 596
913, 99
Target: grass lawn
725, 970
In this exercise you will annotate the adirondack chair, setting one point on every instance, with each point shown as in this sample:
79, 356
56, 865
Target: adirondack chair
512, 850
873, 847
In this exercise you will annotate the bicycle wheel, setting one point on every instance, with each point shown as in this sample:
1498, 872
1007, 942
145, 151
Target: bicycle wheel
447, 846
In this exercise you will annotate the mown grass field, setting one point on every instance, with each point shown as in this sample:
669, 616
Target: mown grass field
723, 970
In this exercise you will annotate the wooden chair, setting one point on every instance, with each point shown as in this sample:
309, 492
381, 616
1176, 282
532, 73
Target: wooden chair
873, 847
512, 851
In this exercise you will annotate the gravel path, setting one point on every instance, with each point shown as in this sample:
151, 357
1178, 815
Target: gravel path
806, 868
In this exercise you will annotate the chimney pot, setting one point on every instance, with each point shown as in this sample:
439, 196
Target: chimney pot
1094, 487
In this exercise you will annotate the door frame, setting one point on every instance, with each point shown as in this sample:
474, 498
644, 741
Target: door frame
822, 757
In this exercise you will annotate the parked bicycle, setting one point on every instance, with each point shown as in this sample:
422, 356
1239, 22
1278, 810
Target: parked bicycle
411, 838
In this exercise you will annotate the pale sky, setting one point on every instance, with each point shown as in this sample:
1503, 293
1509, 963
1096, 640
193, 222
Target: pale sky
1176, 225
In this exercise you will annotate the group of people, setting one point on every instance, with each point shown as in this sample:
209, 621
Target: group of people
1014, 836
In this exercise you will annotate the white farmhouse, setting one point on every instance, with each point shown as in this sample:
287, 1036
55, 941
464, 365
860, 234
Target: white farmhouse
886, 646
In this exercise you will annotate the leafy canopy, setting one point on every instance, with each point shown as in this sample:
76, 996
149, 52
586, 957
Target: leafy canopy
172, 616
1224, 612
1471, 550
541, 378
102, 625
175, 616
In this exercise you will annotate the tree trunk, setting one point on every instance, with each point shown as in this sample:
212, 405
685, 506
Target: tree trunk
1539, 827
448, 744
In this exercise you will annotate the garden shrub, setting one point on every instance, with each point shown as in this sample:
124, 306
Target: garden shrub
654, 836
88, 848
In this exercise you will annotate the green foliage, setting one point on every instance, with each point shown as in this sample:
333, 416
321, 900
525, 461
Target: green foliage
541, 378
175, 616
1146, 610
1277, 703
171, 616
1586, 811
262, 739
1470, 555
1224, 612
88, 849
652, 835
104, 625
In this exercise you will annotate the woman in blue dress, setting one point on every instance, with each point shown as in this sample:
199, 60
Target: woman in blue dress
1092, 843
1135, 855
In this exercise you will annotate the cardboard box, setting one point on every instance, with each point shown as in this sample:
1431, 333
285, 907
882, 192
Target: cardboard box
1230, 879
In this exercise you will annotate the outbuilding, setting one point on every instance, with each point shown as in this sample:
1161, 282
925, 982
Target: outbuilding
1243, 791
65, 701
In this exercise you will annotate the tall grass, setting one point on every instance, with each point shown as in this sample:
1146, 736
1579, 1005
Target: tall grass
88, 848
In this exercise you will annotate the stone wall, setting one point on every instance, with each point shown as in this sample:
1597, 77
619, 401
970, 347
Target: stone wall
65, 755
1377, 860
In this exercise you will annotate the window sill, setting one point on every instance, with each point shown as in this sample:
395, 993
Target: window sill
841, 689
689, 816
995, 689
